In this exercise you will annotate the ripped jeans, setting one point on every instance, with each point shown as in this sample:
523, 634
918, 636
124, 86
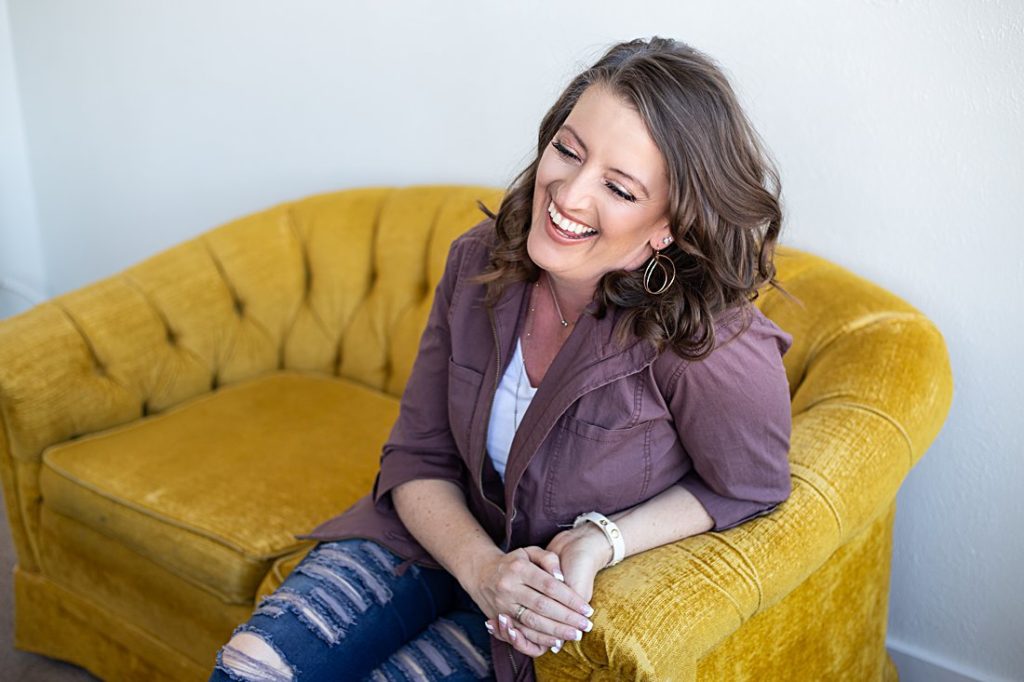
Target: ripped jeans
343, 614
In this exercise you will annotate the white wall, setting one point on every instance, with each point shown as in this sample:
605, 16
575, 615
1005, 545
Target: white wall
22, 270
897, 126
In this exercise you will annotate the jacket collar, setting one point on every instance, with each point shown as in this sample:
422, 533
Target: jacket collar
587, 360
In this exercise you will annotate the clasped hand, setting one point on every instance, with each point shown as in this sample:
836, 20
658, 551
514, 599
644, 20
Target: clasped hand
554, 583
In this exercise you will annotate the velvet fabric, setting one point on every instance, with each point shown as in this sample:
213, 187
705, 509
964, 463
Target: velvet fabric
154, 426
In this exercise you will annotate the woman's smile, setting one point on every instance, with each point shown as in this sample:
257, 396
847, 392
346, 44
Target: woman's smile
564, 236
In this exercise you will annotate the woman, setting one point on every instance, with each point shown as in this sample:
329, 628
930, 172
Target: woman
593, 381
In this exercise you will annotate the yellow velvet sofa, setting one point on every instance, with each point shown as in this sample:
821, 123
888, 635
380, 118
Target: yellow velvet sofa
154, 424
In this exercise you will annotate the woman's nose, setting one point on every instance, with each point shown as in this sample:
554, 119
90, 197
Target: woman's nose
574, 196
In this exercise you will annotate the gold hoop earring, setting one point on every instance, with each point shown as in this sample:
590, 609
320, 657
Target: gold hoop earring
659, 260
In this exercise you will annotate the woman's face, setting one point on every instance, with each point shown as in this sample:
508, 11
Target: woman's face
602, 152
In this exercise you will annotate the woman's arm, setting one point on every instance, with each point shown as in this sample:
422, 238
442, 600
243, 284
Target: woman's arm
732, 413
667, 517
435, 512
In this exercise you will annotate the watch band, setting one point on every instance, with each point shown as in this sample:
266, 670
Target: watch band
611, 531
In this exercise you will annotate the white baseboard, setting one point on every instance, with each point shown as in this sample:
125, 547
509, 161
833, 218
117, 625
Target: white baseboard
16, 297
917, 665
22, 290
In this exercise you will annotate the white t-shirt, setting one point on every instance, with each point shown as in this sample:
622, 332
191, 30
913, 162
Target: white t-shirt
500, 429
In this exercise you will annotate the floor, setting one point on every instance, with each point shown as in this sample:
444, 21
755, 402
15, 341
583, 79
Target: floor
16, 664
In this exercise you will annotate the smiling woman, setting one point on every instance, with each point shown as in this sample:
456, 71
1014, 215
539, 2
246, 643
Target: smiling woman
647, 153
547, 434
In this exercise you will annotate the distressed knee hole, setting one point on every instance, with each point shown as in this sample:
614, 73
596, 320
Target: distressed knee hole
249, 657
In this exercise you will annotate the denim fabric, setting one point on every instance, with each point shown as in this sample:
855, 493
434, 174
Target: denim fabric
343, 614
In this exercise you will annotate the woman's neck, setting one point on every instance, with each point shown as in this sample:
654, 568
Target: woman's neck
572, 297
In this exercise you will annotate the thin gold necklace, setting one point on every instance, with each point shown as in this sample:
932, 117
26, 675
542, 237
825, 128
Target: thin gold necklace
565, 323
522, 366
557, 307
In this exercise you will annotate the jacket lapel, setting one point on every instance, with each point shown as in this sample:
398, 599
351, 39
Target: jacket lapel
507, 315
587, 360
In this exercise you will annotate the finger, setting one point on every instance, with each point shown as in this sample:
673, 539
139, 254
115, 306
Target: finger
518, 640
546, 559
546, 630
503, 633
496, 630
554, 599
559, 590
552, 643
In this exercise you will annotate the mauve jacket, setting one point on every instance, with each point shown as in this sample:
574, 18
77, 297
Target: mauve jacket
607, 429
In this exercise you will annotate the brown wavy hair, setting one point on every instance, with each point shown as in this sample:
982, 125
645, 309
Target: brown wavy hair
724, 198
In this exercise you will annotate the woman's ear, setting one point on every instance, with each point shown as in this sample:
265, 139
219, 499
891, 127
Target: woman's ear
662, 238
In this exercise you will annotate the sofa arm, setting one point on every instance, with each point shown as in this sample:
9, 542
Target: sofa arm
660, 612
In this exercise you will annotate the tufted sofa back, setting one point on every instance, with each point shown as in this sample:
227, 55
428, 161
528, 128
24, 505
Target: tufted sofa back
341, 284
338, 283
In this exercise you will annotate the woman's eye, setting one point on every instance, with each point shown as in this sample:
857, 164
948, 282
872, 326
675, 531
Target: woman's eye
618, 191
560, 148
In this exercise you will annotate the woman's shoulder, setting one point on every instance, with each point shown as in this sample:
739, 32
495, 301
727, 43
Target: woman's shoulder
470, 251
746, 341
748, 324
481, 234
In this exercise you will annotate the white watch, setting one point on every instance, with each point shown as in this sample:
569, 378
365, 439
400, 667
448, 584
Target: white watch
611, 531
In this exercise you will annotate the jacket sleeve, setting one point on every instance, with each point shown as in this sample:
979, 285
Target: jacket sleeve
420, 444
732, 412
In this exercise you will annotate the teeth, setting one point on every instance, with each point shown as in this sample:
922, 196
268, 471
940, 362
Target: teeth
566, 224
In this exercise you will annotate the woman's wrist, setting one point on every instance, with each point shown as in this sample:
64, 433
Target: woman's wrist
609, 529
474, 566
594, 537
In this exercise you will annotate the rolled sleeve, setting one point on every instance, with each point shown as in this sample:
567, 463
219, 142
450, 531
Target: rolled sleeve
420, 444
733, 415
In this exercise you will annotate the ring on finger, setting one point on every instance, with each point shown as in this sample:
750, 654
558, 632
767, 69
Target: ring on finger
519, 612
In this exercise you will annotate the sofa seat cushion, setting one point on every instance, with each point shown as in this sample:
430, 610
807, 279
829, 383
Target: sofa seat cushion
214, 488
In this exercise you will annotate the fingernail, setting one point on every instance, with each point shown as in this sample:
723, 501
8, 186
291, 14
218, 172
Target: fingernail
589, 611
556, 649
579, 635
503, 619
590, 626
490, 628
513, 633
558, 574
